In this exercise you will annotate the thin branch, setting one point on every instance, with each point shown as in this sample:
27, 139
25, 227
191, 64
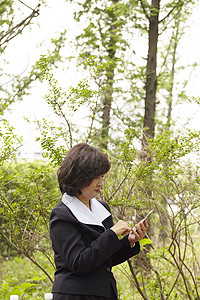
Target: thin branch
25, 5
183, 258
174, 17
38, 265
134, 181
46, 255
10, 242
144, 10
92, 122
136, 281
68, 124
119, 186
160, 285
174, 284
16, 76
179, 267
5, 201
11, 33
60, 111
167, 53
169, 13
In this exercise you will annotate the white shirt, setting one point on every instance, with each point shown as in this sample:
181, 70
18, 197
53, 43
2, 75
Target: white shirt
95, 216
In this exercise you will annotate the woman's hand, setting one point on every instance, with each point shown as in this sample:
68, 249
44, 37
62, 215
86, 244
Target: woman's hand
138, 232
121, 228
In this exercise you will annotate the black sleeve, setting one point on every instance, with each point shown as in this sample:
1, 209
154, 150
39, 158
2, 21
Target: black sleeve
68, 243
125, 252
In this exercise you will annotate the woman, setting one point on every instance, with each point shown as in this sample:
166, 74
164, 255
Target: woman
84, 239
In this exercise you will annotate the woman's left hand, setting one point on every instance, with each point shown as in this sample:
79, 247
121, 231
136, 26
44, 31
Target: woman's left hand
138, 232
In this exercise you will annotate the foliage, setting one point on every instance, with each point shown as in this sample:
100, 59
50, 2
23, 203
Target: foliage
68, 106
13, 23
174, 183
19, 276
117, 33
105, 36
27, 194
20, 85
8, 141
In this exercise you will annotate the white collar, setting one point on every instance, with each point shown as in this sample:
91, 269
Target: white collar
95, 216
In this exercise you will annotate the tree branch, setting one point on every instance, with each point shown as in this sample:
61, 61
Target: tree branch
17, 29
136, 281
26, 5
144, 10
171, 11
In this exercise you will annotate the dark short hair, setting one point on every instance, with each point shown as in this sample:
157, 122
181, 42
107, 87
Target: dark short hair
82, 164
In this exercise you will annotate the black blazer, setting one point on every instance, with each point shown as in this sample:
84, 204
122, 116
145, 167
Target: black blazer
85, 254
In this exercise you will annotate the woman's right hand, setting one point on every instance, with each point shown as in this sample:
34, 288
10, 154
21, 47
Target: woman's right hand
121, 228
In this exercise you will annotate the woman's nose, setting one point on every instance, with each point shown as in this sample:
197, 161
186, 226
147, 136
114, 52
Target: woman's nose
100, 181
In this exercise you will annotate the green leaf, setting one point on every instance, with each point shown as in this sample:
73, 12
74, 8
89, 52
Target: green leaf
145, 241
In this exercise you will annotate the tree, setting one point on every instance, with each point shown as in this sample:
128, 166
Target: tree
177, 13
151, 75
109, 34
10, 27
17, 86
104, 37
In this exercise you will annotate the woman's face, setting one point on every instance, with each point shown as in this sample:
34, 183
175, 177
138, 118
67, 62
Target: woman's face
92, 190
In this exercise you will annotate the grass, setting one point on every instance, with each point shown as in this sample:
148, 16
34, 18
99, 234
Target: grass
18, 276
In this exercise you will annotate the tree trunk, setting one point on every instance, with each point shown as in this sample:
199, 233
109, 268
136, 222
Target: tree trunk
151, 75
107, 102
150, 105
164, 219
170, 98
108, 96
